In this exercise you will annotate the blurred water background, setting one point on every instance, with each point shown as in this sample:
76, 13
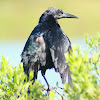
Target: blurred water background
19, 17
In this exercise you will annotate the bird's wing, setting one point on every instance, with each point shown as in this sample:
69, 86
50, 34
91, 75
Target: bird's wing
58, 43
33, 51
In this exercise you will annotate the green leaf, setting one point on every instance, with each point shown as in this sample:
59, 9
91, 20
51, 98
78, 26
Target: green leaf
11, 85
31, 75
57, 84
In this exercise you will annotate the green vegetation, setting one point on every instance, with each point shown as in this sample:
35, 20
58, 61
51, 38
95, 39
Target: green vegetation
12, 85
85, 68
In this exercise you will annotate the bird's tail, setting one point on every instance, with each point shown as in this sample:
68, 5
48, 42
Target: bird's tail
31, 67
65, 74
35, 71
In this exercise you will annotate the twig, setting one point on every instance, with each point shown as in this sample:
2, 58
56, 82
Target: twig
60, 87
59, 94
55, 89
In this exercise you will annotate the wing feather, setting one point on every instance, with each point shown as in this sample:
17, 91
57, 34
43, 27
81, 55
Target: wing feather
59, 44
34, 54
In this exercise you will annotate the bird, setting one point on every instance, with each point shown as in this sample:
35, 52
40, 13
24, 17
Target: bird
46, 46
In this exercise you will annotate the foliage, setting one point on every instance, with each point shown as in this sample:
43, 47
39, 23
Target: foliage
85, 68
12, 85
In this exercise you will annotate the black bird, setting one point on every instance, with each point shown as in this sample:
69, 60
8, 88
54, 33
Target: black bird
46, 46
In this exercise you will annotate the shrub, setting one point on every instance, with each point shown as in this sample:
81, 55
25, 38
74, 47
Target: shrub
85, 68
13, 85
85, 73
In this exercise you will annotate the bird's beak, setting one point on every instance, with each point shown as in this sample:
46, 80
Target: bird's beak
66, 15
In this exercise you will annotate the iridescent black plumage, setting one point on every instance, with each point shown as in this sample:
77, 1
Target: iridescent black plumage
46, 46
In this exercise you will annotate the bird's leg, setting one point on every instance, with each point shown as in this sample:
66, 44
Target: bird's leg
46, 82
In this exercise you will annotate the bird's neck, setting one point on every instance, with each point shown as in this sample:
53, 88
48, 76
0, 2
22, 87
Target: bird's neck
50, 20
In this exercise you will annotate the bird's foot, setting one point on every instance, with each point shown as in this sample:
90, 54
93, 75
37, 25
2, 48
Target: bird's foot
48, 90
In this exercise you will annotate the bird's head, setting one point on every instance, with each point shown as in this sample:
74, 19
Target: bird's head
56, 14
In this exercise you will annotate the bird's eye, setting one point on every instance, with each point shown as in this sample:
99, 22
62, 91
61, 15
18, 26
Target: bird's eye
60, 12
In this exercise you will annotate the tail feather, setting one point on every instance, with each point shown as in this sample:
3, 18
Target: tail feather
64, 75
31, 67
